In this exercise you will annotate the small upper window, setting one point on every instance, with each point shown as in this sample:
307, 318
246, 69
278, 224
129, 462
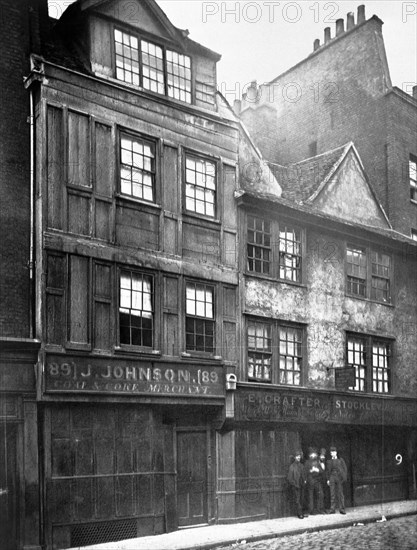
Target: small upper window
143, 63
136, 316
284, 260
127, 57
268, 362
289, 254
368, 274
152, 67
356, 271
259, 351
412, 171
200, 186
381, 270
179, 76
259, 245
199, 323
137, 168
414, 234
370, 358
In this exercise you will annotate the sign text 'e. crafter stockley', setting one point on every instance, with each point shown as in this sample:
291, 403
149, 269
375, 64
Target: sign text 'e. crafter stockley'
96, 375
292, 406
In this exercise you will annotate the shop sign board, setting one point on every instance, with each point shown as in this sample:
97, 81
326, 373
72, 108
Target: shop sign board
127, 377
292, 406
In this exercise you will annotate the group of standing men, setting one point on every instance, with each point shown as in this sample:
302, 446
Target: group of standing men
314, 475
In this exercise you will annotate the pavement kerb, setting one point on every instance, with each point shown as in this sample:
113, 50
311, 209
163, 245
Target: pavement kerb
345, 522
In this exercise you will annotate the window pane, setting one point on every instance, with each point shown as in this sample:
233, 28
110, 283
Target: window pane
258, 245
153, 71
136, 309
290, 359
199, 325
200, 180
137, 168
127, 54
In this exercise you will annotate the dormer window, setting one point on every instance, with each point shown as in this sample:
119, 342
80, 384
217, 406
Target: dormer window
127, 57
154, 67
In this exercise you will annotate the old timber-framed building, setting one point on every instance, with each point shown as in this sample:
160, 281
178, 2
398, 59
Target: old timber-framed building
196, 313
136, 274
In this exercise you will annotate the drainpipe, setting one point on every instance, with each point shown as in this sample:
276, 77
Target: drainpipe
32, 213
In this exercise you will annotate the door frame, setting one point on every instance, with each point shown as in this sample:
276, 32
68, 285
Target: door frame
209, 462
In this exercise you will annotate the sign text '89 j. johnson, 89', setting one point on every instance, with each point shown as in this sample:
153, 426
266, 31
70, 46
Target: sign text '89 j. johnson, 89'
121, 376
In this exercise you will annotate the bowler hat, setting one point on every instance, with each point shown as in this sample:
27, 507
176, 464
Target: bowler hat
322, 451
312, 450
333, 449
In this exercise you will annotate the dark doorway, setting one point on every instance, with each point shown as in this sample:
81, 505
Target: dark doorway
8, 488
191, 477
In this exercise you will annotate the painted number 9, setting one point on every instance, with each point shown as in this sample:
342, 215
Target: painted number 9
398, 459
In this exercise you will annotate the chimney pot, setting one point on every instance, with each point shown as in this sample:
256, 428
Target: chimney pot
350, 20
361, 14
316, 44
415, 92
327, 35
340, 26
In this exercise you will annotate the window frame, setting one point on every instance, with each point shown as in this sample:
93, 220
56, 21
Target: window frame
275, 351
370, 252
155, 317
196, 156
275, 252
214, 320
154, 143
368, 344
142, 36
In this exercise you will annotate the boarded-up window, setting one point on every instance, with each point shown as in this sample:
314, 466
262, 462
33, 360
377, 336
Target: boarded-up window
102, 307
55, 299
78, 150
55, 156
78, 302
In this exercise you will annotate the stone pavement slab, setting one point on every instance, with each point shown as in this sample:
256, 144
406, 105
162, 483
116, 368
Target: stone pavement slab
212, 536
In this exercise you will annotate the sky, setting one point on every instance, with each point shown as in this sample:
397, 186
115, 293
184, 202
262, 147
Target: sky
258, 40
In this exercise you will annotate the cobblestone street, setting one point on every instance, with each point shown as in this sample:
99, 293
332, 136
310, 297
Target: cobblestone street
395, 534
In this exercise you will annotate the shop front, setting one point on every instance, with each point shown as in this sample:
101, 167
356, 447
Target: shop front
128, 447
376, 436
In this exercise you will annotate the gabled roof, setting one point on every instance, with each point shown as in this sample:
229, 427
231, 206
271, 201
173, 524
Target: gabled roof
176, 34
302, 180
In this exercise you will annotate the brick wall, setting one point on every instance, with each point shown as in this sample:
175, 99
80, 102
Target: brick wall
14, 169
401, 142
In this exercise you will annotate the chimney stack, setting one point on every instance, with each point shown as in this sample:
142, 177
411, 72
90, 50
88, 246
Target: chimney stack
350, 21
361, 14
340, 27
316, 44
415, 92
327, 35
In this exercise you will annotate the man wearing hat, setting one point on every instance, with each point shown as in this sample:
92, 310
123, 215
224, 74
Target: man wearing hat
297, 480
336, 476
315, 490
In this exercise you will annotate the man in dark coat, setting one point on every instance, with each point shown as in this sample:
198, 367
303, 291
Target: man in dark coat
313, 472
297, 480
336, 476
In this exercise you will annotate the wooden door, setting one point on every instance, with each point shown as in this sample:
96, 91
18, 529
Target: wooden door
191, 477
8, 488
